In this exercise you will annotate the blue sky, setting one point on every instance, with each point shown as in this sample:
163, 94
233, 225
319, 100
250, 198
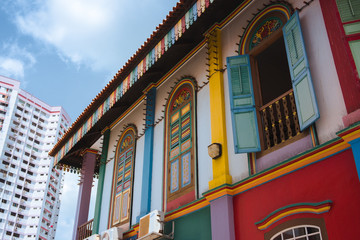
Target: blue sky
65, 51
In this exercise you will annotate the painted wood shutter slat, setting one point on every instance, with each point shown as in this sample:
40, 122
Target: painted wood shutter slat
349, 9
355, 49
304, 94
246, 134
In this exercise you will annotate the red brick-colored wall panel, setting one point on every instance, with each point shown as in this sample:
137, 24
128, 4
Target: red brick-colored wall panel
333, 179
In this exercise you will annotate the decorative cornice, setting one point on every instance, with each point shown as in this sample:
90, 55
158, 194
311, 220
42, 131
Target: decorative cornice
298, 208
312, 156
89, 150
177, 22
350, 133
293, 164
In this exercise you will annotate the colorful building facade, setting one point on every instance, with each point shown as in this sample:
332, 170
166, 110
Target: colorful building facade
238, 119
30, 188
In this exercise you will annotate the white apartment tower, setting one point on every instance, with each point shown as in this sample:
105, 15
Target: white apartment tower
29, 189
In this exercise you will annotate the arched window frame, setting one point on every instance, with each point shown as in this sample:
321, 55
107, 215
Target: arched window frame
251, 133
318, 223
180, 186
298, 231
125, 160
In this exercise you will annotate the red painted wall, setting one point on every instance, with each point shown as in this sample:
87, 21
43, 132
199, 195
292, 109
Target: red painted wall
344, 62
334, 178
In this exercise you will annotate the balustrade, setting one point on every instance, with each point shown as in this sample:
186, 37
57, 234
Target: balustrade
279, 120
85, 230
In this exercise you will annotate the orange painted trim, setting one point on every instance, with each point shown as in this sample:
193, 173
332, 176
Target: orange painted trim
194, 206
234, 13
132, 232
250, 27
299, 208
104, 130
187, 209
127, 111
166, 76
279, 171
179, 64
89, 150
351, 136
255, 181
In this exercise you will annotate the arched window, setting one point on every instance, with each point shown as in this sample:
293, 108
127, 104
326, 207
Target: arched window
123, 179
298, 229
271, 92
180, 146
306, 232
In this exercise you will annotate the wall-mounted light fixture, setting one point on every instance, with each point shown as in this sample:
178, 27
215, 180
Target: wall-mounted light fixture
214, 150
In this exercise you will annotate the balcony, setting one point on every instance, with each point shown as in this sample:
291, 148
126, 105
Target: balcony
85, 230
279, 120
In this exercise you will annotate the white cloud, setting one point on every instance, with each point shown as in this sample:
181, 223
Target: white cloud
14, 60
91, 32
82, 31
11, 67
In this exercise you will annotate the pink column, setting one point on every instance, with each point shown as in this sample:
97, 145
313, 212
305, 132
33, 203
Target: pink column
87, 172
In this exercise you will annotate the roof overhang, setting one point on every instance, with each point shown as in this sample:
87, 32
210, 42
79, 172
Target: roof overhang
67, 150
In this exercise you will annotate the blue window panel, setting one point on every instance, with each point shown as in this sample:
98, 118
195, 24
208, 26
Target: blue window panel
243, 111
186, 169
304, 93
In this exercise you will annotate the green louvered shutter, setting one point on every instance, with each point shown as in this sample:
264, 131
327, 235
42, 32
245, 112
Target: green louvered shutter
305, 99
355, 49
349, 10
246, 134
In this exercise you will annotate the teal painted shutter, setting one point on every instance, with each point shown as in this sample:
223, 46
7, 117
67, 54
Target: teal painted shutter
305, 99
355, 49
246, 134
349, 10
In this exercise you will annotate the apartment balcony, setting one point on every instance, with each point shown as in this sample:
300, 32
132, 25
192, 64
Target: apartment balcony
8, 187
33, 128
8, 149
27, 194
14, 172
32, 169
18, 191
279, 120
16, 200
18, 112
5, 205
13, 209
11, 218
3, 108
41, 131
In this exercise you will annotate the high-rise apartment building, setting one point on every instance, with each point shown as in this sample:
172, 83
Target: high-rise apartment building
29, 188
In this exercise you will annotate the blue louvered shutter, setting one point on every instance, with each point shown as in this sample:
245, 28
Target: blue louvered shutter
305, 99
246, 134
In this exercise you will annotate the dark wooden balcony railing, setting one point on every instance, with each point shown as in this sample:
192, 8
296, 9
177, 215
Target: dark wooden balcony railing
85, 230
279, 120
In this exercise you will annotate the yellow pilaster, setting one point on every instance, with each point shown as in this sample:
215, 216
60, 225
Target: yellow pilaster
220, 165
